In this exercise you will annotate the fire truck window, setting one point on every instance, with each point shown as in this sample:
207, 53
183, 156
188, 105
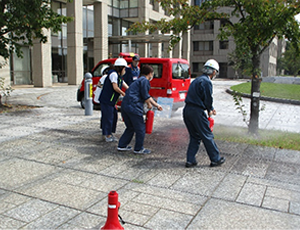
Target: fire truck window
158, 68
180, 71
97, 72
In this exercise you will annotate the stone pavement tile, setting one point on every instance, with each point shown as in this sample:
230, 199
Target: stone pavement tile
84, 221
274, 183
134, 207
164, 179
165, 193
138, 175
18, 172
275, 204
230, 187
53, 219
219, 214
103, 183
165, 219
287, 156
199, 181
295, 207
88, 163
252, 194
57, 155
10, 200
186, 207
284, 172
21, 147
259, 152
281, 193
135, 219
19, 131
251, 167
10, 223
231, 148
64, 194
31, 210
72, 177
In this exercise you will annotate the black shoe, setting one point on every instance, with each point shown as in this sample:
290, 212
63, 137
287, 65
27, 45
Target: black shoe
190, 165
218, 163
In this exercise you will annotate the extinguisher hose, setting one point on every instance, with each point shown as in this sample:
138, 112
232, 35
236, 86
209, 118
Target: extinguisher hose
122, 221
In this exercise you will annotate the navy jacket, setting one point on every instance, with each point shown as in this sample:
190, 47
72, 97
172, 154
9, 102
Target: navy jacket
200, 93
136, 95
108, 95
132, 74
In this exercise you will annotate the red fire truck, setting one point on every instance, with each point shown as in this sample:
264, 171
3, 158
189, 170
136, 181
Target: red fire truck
172, 78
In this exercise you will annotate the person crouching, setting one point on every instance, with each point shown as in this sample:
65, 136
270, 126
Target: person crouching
132, 111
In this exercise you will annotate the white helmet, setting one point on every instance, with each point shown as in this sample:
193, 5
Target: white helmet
103, 69
120, 62
212, 64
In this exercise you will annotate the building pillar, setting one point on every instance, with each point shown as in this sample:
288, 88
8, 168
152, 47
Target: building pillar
41, 62
177, 49
5, 70
100, 32
186, 45
75, 43
144, 15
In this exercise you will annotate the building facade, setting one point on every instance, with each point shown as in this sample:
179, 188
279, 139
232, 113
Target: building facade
99, 31
206, 45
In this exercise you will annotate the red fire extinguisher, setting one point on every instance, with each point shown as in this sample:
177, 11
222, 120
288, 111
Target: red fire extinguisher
149, 121
112, 221
211, 123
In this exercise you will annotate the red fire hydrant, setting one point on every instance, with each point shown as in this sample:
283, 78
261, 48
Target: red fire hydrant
112, 221
149, 121
211, 123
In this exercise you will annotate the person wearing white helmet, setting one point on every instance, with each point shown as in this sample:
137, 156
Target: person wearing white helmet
199, 104
97, 92
112, 89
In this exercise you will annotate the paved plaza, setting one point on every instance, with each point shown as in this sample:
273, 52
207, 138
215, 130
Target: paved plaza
56, 171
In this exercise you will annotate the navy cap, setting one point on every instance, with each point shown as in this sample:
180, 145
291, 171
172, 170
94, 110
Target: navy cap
135, 58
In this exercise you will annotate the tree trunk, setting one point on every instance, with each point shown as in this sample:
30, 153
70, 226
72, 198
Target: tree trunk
255, 97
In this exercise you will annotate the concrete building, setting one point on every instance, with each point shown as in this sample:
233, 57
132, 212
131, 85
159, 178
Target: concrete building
205, 45
99, 32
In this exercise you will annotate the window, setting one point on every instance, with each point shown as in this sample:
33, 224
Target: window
97, 72
196, 67
209, 25
180, 71
157, 69
198, 2
224, 45
203, 46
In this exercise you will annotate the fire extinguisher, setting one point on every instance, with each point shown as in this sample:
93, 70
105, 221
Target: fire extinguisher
149, 121
211, 123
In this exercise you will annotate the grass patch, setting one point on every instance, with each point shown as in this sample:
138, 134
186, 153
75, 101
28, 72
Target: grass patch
274, 139
284, 91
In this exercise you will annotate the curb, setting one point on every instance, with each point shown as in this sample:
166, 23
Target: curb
272, 99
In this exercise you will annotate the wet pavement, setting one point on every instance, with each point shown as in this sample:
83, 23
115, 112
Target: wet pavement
56, 170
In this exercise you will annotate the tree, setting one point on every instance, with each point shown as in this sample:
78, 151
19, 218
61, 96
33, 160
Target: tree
240, 61
290, 60
21, 21
253, 25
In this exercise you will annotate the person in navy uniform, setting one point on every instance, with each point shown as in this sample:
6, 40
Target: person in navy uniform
198, 100
132, 111
132, 71
109, 97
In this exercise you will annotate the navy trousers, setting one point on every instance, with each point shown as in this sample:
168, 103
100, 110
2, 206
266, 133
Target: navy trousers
109, 118
134, 124
197, 124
